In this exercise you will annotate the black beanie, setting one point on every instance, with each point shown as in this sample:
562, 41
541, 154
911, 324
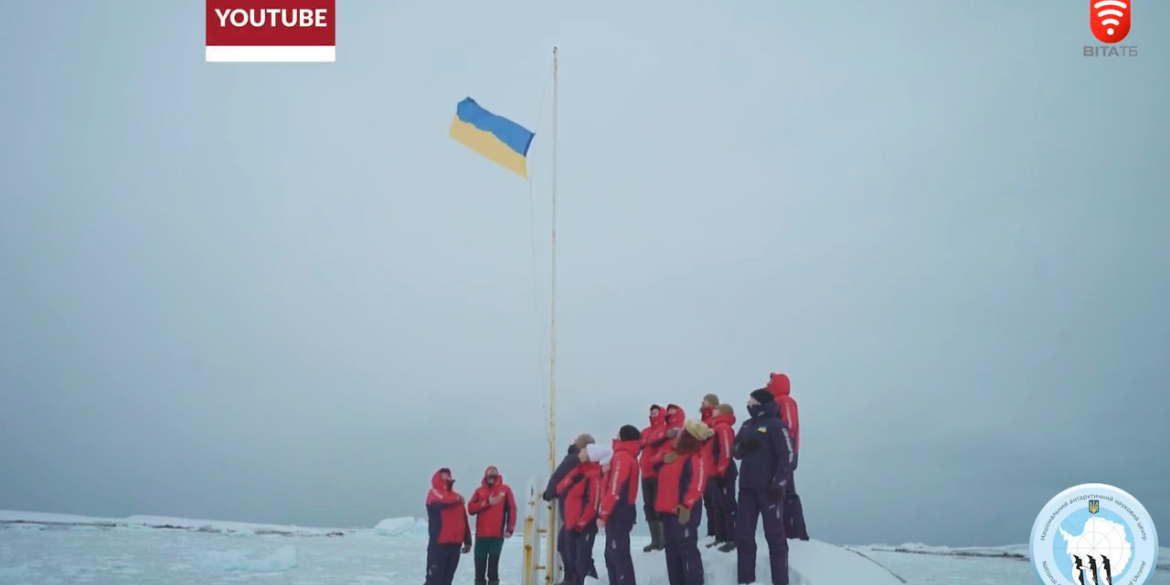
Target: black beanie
629, 433
763, 395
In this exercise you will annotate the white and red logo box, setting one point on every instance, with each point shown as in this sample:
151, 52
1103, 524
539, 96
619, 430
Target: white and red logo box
271, 31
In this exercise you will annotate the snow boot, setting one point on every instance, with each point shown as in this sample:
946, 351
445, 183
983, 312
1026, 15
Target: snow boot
727, 546
659, 536
655, 536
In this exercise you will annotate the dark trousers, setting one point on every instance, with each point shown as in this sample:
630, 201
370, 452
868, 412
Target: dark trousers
684, 564
721, 491
754, 505
487, 559
794, 526
579, 550
442, 560
618, 562
649, 494
709, 509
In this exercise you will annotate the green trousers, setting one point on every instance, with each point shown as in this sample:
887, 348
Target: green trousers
485, 547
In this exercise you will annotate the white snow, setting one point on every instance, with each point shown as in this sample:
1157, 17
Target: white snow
55, 549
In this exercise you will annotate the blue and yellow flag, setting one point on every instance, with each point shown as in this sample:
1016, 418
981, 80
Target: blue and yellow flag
499, 139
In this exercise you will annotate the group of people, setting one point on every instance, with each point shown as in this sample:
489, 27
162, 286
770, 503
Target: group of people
682, 466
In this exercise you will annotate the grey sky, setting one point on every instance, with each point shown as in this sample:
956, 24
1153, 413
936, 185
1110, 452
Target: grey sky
282, 294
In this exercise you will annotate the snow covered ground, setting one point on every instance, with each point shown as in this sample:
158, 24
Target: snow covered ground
53, 549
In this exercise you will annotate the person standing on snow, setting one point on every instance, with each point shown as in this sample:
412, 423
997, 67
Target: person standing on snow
581, 492
682, 477
619, 509
781, 388
494, 508
650, 436
570, 462
706, 411
764, 447
448, 528
721, 488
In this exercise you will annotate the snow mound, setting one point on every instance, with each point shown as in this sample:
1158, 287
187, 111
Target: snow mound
284, 559
1015, 551
394, 526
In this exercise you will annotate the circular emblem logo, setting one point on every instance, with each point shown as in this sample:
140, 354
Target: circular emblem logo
1094, 534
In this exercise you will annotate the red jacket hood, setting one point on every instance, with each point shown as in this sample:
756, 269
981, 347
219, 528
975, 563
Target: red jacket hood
657, 421
779, 385
438, 483
630, 447
499, 477
723, 419
679, 417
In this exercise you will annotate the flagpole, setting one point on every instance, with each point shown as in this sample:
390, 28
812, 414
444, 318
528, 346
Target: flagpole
552, 405
552, 563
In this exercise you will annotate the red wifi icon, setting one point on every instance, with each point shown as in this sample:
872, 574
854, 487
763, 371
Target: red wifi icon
1109, 19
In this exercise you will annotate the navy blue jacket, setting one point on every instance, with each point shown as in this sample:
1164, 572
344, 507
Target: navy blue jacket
766, 466
567, 464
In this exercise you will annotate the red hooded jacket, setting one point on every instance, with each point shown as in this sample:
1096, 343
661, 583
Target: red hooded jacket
682, 481
621, 481
722, 443
581, 491
446, 517
651, 434
781, 388
493, 521
664, 443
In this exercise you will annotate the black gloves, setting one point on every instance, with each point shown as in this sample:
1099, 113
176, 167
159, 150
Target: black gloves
750, 445
466, 548
548, 497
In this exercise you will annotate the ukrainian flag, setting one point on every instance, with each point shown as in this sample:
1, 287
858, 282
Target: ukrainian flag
499, 139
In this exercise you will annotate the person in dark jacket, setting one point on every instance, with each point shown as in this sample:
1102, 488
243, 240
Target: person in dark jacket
448, 529
765, 450
494, 508
619, 509
682, 477
581, 491
570, 462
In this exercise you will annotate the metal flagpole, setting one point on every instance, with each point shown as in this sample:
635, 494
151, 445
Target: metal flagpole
553, 522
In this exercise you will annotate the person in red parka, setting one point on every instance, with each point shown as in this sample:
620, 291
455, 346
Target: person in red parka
619, 509
581, 491
721, 487
494, 508
651, 436
781, 388
448, 529
706, 412
682, 477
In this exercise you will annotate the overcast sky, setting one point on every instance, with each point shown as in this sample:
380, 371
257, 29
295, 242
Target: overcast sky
282, 294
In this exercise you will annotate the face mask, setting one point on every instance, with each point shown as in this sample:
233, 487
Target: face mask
491, 479
755, 410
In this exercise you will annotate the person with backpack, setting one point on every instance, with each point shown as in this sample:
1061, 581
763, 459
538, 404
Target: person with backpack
765, 452
781, 389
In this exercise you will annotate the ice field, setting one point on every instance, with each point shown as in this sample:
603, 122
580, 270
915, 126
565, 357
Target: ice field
52, 549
